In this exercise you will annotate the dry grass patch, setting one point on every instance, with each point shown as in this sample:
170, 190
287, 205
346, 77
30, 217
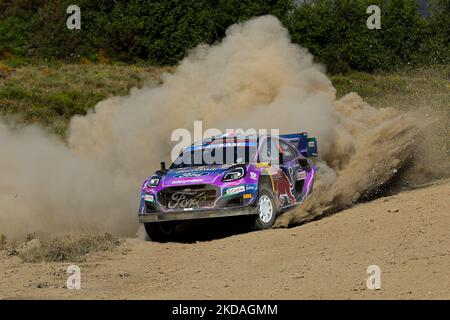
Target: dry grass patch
3, 241
52, 94
67, 248
423, 90
408, 89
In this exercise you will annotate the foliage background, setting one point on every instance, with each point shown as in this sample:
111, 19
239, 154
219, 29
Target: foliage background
159, 32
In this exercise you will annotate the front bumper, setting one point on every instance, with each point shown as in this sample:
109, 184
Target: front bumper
194, 215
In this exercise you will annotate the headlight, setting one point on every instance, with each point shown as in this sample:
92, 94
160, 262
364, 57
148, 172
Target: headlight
153, 182
234, 174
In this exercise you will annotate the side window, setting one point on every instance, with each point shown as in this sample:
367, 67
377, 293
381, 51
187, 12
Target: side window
269, 150
288, 152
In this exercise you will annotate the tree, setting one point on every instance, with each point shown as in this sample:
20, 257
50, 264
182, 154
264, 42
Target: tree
436, 47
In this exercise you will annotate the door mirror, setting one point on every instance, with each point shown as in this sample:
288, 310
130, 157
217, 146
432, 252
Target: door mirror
305, 164
163, 166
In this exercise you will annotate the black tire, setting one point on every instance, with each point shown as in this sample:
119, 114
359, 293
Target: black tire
260, 223
160, 231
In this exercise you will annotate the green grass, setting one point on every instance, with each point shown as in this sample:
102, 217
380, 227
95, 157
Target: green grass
50, 94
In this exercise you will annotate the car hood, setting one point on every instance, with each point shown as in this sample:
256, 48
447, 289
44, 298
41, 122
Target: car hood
194, 175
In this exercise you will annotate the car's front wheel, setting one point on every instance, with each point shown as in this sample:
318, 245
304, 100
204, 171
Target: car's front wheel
267, 209
160, 231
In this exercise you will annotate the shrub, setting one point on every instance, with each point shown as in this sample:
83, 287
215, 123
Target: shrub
160, 32
336, 33
436, 47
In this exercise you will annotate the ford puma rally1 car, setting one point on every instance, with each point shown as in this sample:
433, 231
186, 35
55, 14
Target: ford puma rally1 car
229, 175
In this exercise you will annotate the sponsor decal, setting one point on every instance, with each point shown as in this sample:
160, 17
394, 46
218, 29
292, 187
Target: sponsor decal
224, 145
285, 190
263, 165
191, 174
149, 197
253, 175
235, 190
251, 187
187, 181
204, 168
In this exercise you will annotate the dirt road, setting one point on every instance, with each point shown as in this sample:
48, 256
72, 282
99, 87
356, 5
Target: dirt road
406, 235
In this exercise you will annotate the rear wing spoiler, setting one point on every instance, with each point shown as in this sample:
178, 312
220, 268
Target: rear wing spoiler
306, 146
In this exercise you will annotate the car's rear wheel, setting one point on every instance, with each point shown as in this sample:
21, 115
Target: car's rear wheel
267, 209
160, 231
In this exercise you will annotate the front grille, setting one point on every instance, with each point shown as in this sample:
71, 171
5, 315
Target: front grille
195, 196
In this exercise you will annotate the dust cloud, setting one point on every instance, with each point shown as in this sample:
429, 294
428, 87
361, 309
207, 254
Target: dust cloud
254, 78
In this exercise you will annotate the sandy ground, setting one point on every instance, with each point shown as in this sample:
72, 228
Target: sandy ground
406, 235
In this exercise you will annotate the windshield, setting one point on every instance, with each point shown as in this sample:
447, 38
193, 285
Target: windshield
216, 154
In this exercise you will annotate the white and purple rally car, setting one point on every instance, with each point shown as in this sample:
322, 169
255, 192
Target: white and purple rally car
229, 175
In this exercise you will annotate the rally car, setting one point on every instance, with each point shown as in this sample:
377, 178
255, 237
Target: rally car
229, 175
